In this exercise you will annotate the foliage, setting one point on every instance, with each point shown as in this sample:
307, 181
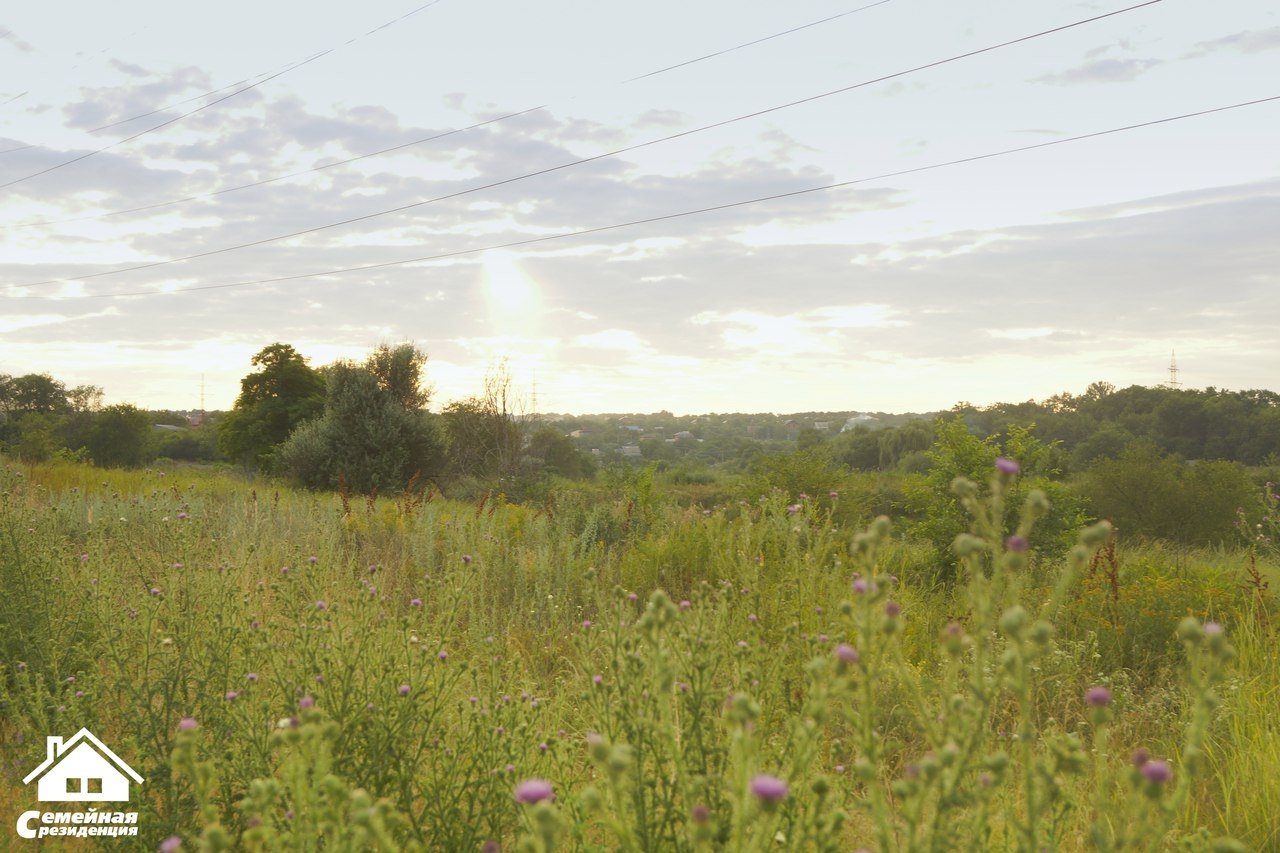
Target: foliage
366, 440
1147, 493
274, 400
790, 702
119, 437
939, 514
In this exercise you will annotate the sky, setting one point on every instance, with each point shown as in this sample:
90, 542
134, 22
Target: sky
914, 286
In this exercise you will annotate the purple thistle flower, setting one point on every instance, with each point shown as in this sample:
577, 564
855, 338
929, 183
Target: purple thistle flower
542, 747
172, 844
415, 602
586, 623
404, 690
847, 653
860, 586
183, 516
306, 702
685, 604
1097, 697
1016, 544
751, 617
532, 791
1140, 757
155, 590
597, 680
771, 789
631, 596
1007, 466
187, 724
232, 695
1212, 629
793, 508
700, 813
321, 605
892, 609
253, 676
443, 655
1157, 771
312, 559
466, 558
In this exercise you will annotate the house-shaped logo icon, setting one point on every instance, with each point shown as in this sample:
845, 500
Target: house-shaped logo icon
83, 769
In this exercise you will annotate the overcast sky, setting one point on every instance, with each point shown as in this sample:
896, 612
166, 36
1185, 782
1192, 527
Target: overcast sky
1006, 279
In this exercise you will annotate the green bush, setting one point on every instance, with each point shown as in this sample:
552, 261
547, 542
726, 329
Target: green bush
1147, 493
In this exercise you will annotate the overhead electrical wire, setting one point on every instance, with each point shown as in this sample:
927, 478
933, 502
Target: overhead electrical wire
292, 67
425, 139
665, 217
583, 160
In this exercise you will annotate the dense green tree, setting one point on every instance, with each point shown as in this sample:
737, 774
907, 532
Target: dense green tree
282, 394
399, 373
557, 453
118, 437
366, 439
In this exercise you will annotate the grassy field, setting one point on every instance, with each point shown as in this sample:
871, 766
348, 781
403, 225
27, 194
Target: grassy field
611, 670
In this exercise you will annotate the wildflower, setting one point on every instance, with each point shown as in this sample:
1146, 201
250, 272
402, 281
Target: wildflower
892, 609
312, 559
1007, 466
443, 655
155, 590
1097, 697
182, 516
685, 604
700, 813
251, 677
631, 596
586, 623
1140, 757
84, 557
1212, 629
846, 653
306, 702
466, 558
597, 680
187, 724
170, 845
833, 495
415, 602
532, 791
321, 605
1016, 544
793, 508
284, 570
768, 788
232, 695
511, 768
751, 617
404, 690
542, 747
1157, 772
860, 586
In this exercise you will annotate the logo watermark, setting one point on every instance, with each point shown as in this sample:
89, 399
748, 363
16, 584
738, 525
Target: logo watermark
80, 769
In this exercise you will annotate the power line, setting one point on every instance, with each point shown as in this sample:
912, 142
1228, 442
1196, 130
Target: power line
292, 67
432, 138
678, 215
583, 160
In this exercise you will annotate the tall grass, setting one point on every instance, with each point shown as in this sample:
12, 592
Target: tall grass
382, 674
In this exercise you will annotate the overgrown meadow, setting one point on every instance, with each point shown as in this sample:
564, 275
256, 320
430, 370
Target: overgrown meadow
613, 670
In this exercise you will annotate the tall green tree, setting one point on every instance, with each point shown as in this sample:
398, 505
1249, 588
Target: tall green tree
366, 438
119, 437
282, 394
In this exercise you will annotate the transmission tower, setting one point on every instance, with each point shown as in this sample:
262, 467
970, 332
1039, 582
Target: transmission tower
1173, 371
